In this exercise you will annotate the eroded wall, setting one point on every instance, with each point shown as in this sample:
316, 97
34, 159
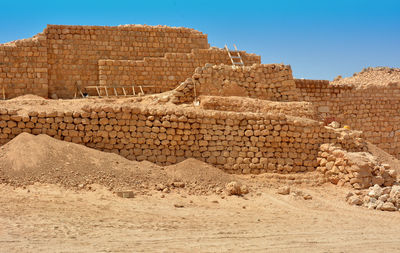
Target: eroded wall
375, 110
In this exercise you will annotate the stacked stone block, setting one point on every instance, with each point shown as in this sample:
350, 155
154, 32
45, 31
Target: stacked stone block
23, 67
163, 73
235, 142
74, 51
375, 110
358, 169
272, 82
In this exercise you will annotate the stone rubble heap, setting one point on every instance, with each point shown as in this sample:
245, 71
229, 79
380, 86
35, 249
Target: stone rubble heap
358, 169
377, 197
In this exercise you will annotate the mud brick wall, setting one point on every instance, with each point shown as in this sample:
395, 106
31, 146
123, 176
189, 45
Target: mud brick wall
375, 110
74, 51
235, 142
23, 67
166, 73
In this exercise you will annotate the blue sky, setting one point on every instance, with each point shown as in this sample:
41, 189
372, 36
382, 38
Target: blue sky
319, 39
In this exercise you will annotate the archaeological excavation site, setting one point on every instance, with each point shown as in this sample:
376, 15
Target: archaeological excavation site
156, 111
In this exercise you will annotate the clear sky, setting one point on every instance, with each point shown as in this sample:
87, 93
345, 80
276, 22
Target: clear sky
320, 39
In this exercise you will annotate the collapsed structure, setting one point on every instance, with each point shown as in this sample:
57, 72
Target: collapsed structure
253, 118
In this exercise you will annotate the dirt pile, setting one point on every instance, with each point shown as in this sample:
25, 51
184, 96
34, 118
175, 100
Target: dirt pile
28, 159
372, 76
199, 176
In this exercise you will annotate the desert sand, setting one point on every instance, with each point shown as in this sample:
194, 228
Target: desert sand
48, 218
80, 212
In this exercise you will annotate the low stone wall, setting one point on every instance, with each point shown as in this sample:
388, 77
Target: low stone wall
163, 73
375, 110
23, 67
235, 142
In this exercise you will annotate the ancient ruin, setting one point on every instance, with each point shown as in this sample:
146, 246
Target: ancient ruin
179, 65
190, 117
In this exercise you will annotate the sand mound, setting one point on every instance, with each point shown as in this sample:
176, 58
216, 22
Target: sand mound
28, 159
28, 97
197, 174
372, 76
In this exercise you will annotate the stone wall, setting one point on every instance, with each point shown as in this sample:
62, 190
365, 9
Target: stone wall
375, 110
23, 67
272, 82
166, 73
74, 51
63, 56
235, 141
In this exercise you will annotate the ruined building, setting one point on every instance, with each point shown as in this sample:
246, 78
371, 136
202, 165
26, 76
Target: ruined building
247, 118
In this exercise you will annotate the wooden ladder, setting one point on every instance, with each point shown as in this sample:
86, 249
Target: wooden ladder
235, 56
104, 90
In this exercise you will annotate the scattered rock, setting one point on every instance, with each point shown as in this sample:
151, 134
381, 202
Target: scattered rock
235, 188
178, 184
160, 187
284, 190
334, 124
376, 191
355, 200
384, 197
388, 206
244, 189
179, 205
125, 194
379, 204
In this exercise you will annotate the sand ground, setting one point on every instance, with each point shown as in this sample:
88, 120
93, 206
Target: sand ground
49, 218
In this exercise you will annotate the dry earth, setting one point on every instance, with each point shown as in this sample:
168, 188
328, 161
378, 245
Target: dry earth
47, 218
59, 197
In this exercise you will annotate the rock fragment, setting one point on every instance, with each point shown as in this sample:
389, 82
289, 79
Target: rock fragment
284, 190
